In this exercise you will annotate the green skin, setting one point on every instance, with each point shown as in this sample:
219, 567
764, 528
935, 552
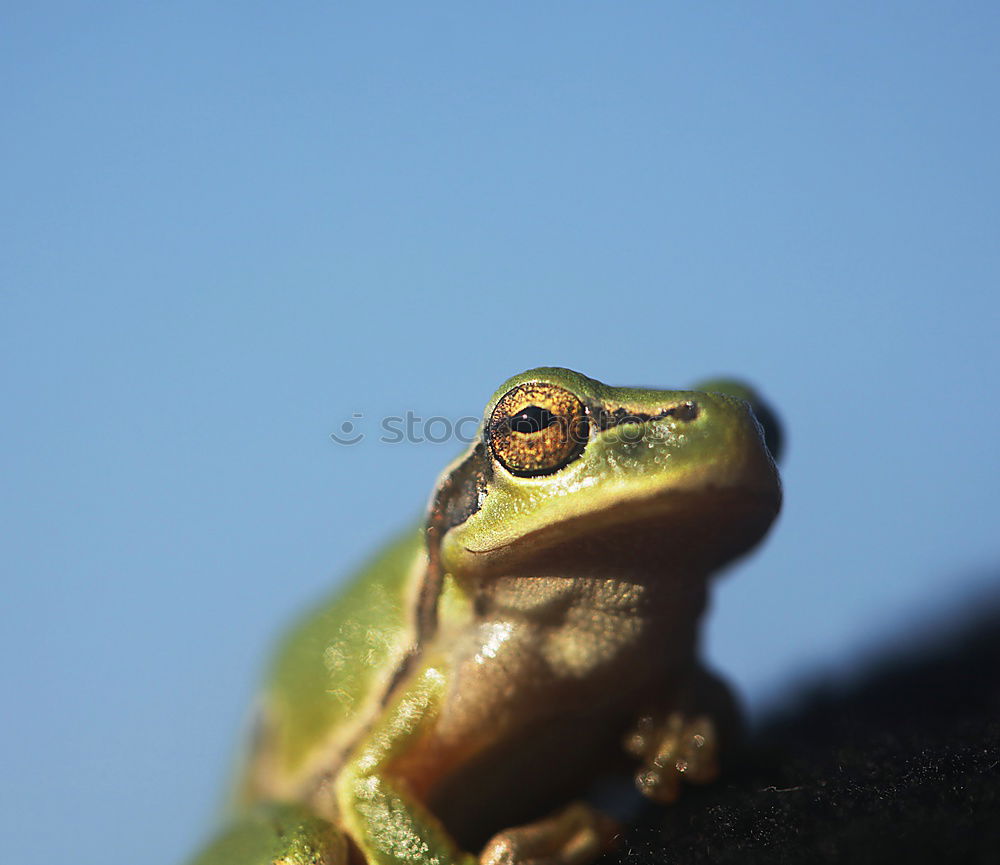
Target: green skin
483, 671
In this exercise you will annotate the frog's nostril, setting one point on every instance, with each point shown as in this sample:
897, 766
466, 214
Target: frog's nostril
686, 411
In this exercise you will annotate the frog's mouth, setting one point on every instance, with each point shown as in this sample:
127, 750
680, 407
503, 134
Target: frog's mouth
699, 529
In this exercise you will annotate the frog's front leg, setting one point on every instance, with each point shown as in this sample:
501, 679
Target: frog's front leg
422, 737
379, 792
681, 739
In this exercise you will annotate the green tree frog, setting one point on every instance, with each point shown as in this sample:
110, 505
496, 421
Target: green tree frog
454, 703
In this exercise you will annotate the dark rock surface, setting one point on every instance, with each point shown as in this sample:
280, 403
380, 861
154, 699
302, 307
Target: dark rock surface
902, 766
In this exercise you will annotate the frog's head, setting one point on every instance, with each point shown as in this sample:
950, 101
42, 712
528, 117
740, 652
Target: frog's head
567, 468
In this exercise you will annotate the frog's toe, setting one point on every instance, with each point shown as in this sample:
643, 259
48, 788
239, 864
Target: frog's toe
574, 836
676, 749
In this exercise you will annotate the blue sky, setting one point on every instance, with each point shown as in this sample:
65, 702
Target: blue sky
228, 229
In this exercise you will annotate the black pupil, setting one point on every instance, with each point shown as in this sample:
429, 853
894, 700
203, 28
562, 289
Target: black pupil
532, 419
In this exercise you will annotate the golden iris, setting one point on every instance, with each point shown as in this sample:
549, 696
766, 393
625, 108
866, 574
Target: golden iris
537, 428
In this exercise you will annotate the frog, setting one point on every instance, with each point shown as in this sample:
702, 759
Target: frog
457, 700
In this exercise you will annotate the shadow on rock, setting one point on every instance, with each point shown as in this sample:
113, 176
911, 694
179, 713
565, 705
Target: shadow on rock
902, 765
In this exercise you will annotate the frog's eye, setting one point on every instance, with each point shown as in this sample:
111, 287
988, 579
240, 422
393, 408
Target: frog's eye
537, 428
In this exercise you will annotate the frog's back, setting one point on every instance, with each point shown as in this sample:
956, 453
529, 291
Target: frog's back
330, 672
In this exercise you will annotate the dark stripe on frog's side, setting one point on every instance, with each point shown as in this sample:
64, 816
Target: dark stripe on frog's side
331, 669
458, 497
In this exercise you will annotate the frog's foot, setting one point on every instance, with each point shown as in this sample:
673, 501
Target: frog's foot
277, 835
574, 836
673, 749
